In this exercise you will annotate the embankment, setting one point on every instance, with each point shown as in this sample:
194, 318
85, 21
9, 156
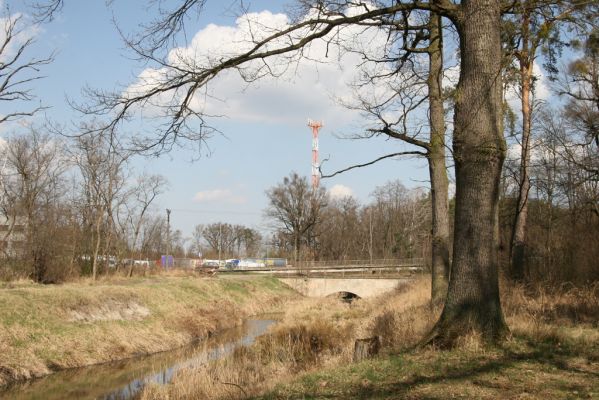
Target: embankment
47, 328
551, 354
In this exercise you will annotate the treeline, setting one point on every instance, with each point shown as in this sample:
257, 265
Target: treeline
74, 207
561, 242
224, 240
311, 225
562, 220
395, 224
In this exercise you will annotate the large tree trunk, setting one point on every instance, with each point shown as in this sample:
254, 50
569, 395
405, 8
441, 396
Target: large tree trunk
517, 245
436, 166
472, 304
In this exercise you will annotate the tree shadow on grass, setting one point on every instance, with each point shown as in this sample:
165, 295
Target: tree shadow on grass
540, 369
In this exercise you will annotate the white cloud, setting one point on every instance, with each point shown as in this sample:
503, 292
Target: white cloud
220, 196
542, 91
301, 89
340, 191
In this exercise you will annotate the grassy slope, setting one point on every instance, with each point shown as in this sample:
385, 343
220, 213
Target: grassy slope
521, 369
553, 353
43, 328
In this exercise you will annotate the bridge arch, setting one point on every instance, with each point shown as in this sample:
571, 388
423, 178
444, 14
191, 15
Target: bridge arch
345, 296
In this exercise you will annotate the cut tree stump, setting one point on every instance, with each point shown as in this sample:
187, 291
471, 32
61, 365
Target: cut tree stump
366, 348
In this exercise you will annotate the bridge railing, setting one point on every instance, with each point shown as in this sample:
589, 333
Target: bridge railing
342, 268
373, 263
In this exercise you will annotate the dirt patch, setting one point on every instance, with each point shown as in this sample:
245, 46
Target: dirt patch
111, 310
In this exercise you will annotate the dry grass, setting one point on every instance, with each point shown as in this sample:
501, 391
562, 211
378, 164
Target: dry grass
553, 351
557, 313
308, 354
45, 328
312, 334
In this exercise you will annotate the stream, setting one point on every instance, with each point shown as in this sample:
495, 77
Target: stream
124, 379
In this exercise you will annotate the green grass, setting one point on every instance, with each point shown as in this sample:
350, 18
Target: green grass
521, 368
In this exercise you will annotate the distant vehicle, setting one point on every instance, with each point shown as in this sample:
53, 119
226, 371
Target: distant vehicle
128, 261
232, 263
262, 262
210, 263
252, 263
110, 261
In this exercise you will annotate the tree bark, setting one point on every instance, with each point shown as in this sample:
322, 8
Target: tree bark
436, 164
472, 304
517, 244
366, 348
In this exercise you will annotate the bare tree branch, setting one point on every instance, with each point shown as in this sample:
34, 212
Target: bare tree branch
45, 11
179, 82
16, 73
401, 153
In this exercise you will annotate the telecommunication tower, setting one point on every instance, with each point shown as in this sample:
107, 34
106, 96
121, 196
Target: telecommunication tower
315, 167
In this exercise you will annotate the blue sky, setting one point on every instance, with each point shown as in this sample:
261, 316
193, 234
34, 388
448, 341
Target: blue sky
265, 136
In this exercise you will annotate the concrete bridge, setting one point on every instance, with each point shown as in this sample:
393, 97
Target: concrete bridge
361, 287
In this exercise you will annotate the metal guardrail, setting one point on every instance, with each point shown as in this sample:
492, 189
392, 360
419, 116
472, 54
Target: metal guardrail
373, 263
396, 266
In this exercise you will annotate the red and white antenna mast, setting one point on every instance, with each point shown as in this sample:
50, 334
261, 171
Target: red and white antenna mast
315, 166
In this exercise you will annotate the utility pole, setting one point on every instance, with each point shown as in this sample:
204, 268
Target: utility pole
168, 235
370, 243
220, 241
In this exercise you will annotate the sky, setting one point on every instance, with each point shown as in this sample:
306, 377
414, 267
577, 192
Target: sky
264, 133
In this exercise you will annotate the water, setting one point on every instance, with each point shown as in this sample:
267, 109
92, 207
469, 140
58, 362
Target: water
124, 379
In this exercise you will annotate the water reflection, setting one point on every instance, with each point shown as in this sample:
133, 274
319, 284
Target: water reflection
124, 379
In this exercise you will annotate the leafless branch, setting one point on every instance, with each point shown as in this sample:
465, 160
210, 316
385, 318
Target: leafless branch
402, 153
16, 73
45, 11
178, 83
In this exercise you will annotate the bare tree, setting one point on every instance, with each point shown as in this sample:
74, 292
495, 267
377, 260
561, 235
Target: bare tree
564, 219
295, 208
17, 73
31, 193
581, 86
152, 238
251, 240
535, 26
221, 238
101, 162
197, 236
410, 85
145, 191
343, 236
399, 218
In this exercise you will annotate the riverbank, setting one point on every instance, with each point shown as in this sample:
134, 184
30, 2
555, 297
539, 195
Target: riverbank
520, 369
44, 328
553, 352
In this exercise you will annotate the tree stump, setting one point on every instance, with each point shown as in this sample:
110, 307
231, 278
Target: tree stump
366, 348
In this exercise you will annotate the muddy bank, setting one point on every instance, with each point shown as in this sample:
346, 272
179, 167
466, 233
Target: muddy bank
50, 328
125, 379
